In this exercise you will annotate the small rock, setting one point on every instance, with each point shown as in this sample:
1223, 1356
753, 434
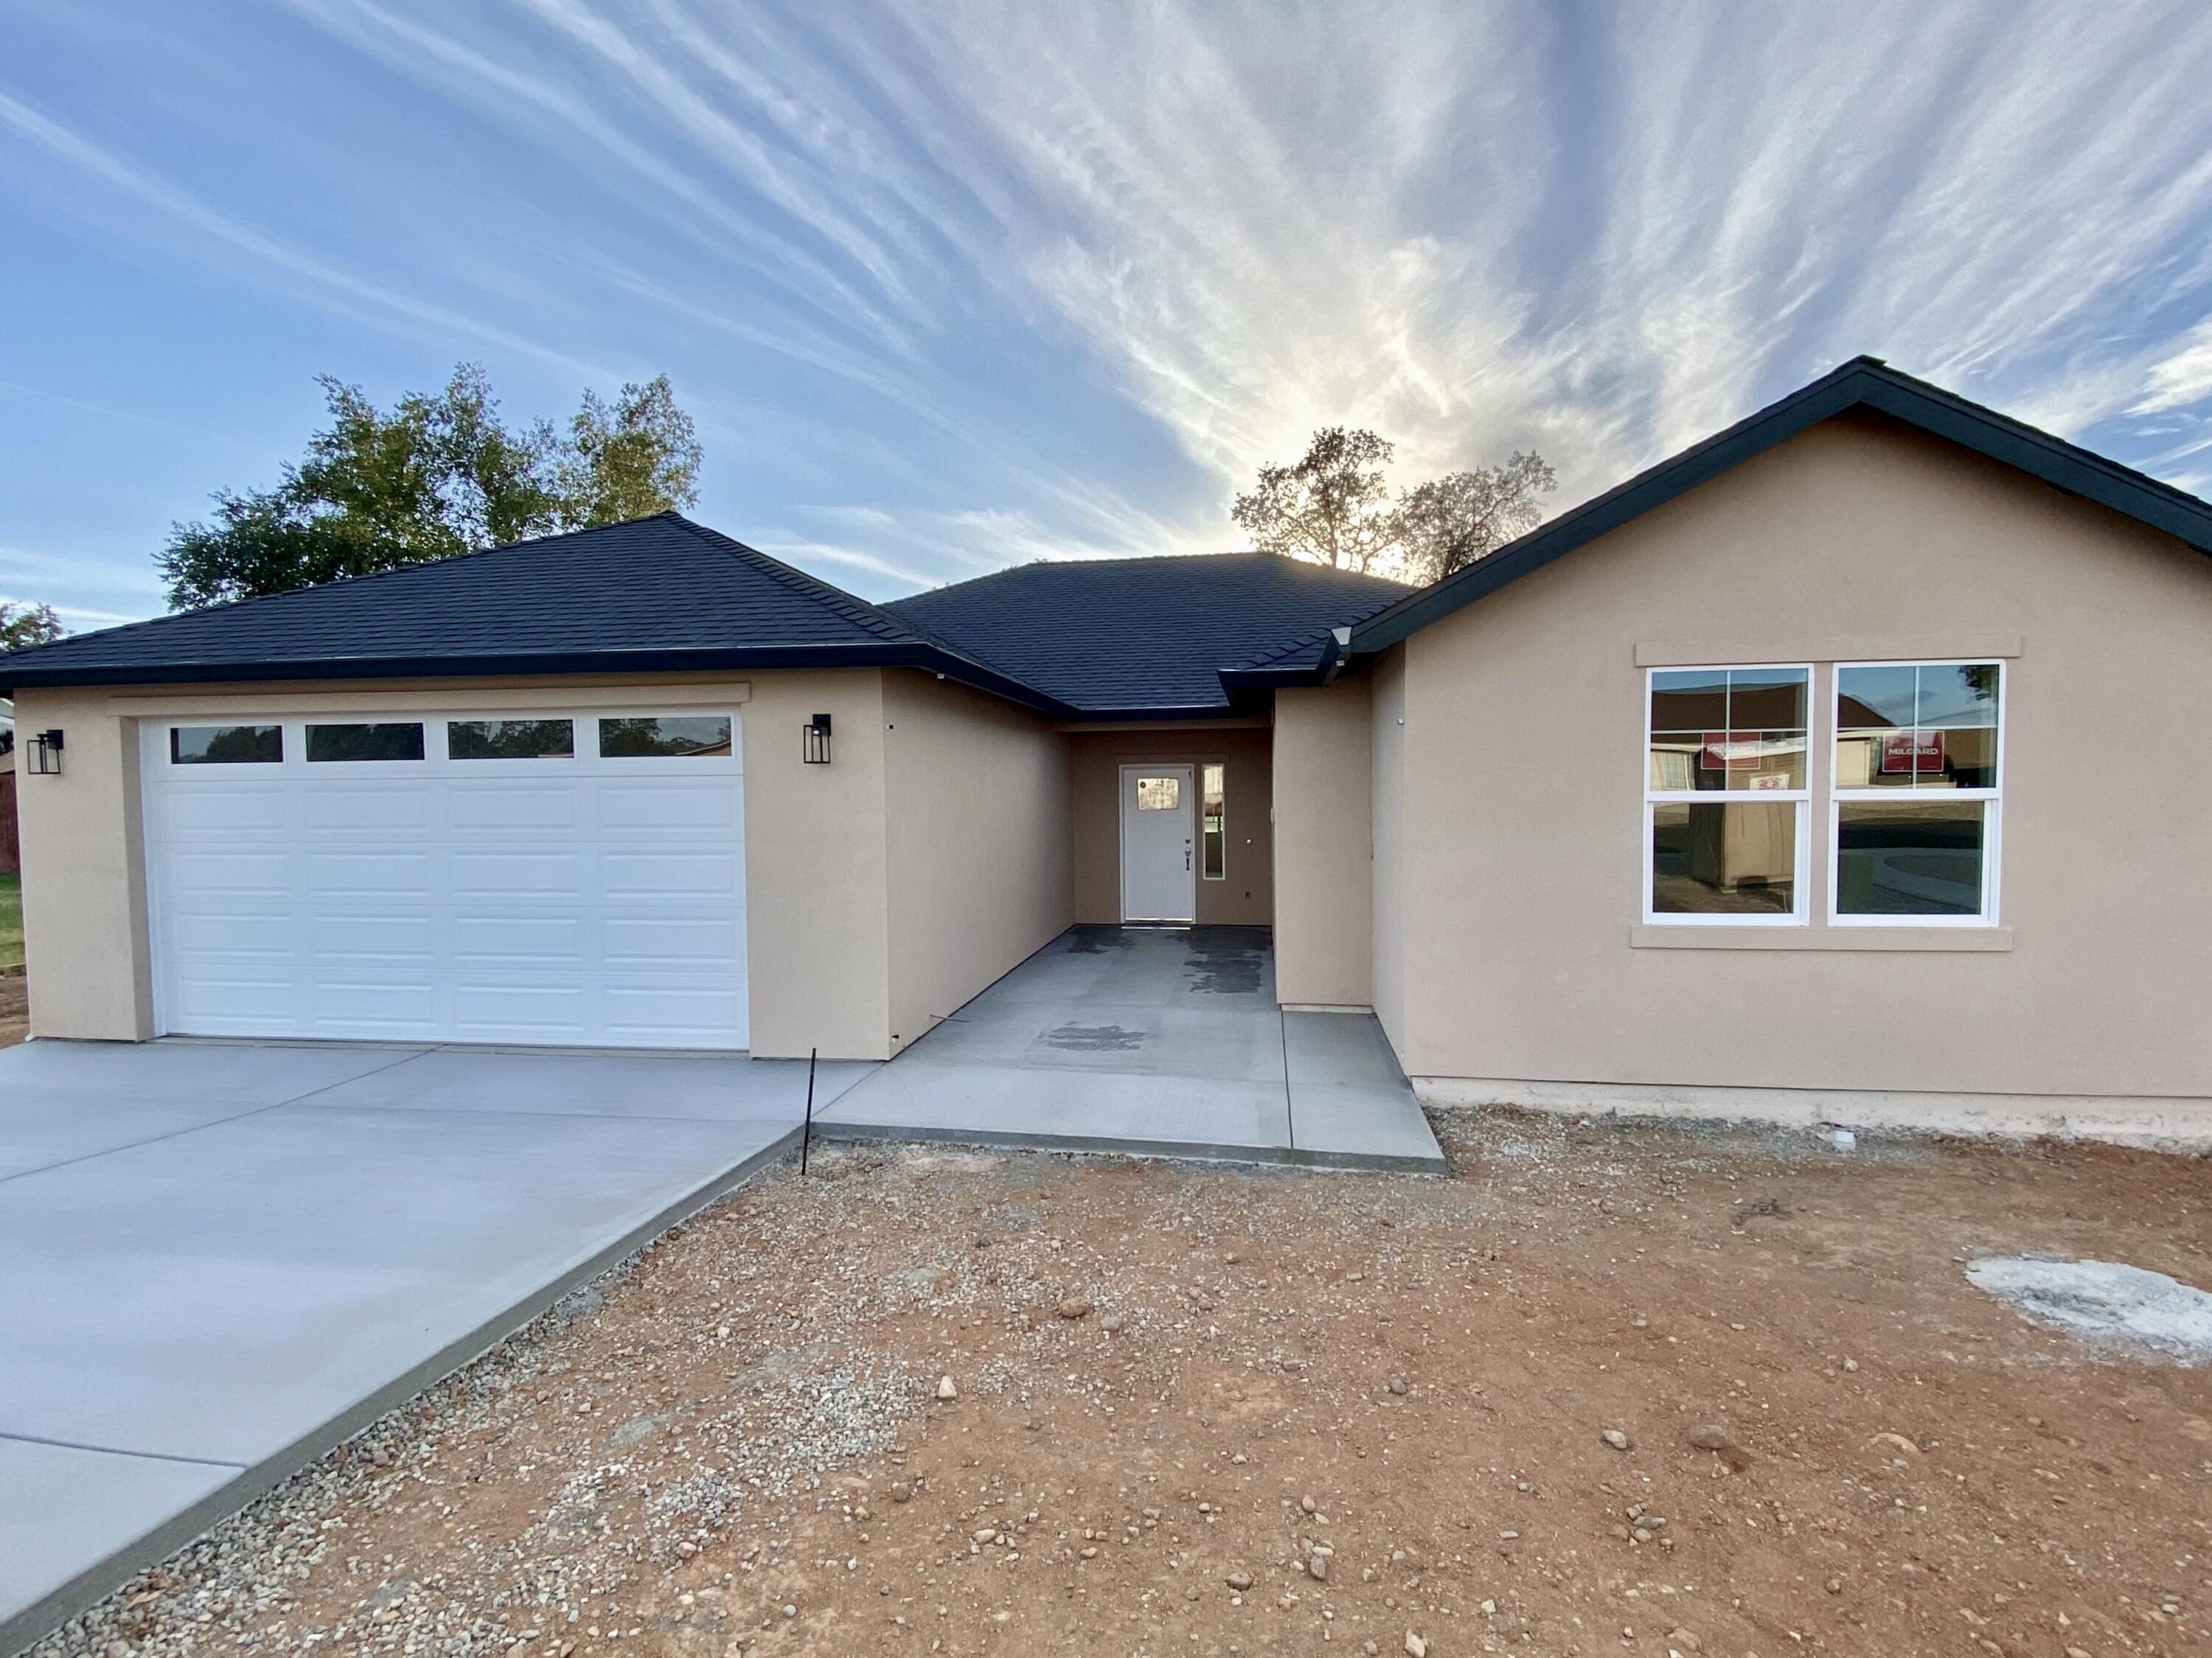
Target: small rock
1686, 1639
1308, 1504
945, 1389
1614, 1437
1415, 1647
1239, 1581
1898, 1440
1708, 1436
1398, 1386
986, 1535
1110, 1323
1075, 1307
790, 1611
1851, 1364
1317, 1568
1835, 1585
900, 1492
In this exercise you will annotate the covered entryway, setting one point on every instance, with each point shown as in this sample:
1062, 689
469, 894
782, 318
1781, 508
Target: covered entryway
565, 877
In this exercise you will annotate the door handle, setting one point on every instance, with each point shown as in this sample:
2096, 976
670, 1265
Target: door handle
1186, 851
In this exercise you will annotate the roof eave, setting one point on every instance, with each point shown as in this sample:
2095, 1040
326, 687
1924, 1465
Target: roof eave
714, 659
1862, 383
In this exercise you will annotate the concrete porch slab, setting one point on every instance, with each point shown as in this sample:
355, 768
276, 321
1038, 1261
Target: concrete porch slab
1153, 1041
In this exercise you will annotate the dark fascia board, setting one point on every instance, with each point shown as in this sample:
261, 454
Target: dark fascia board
889, 654
1862, 383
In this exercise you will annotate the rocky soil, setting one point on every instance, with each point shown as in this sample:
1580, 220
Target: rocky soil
1607, 1389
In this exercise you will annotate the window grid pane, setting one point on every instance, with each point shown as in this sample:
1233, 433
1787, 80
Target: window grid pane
1917, 791
1212, 814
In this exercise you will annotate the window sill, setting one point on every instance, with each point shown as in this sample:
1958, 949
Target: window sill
1645, 935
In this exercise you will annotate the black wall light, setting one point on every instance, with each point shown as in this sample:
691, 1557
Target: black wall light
816, 750
46, 754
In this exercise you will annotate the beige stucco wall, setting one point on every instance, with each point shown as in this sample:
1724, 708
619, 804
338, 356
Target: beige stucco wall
1245, 896
1324, 845
1518, 798
978, 843
84, 880
1387, 834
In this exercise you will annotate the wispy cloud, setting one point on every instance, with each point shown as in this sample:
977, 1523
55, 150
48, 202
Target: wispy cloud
955, 282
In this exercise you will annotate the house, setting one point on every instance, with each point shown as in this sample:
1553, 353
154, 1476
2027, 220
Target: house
1834, 767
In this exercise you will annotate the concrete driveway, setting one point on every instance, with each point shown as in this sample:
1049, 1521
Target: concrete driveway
218, 1259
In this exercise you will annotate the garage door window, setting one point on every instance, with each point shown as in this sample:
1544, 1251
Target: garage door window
225, 745
511, 740
377, 742
664, 737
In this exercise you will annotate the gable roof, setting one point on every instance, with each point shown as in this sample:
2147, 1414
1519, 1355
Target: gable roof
1145, 635
652, 594
1862, 383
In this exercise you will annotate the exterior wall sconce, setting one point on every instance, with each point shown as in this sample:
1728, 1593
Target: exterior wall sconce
816, 750
46, 754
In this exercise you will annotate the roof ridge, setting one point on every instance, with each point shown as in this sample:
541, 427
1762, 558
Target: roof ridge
850, 606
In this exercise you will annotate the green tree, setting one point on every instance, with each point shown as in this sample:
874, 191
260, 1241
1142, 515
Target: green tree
22, 626
1331, 506
1448, 522
440, 474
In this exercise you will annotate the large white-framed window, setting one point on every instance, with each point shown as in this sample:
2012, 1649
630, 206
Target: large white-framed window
1916, 793
1727, 795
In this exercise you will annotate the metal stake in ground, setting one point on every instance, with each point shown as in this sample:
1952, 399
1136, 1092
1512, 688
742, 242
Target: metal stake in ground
806, 1134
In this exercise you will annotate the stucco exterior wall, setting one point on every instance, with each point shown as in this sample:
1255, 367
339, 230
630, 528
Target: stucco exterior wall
1387, 834
817, 875
978, 839
1245, 896
1324, 846
84, 873
1519, 801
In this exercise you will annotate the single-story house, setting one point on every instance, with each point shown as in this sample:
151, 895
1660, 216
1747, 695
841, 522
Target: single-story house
1781, 776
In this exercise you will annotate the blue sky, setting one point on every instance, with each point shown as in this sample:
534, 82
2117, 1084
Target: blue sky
949, 285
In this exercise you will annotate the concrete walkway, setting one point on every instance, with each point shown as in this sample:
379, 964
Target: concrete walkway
1159, 1040
219, 1260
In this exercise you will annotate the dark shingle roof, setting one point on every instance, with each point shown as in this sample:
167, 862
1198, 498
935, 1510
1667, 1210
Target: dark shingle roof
657, 586
1143, 634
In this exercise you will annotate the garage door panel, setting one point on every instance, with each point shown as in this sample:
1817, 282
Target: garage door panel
392, 877
399, 940
673, 1015
537, 808
229, 875
649, 807
246, 810
578, 904
516, 870
367, 811
497, 1011
490, 938
670, 874
674, 942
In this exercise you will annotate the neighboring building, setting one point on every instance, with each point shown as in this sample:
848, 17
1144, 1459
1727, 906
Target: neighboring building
1807, 774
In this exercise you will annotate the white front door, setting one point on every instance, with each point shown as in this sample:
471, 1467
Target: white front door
1159, 879
571, 876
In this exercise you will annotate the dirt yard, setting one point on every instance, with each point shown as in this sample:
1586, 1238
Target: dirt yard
1211, 1412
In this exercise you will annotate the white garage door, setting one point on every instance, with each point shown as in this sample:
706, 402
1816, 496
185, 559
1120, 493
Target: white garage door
572, 877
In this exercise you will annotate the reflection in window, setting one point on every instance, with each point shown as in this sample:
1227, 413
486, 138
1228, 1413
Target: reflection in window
225, 745
511, 740
1917, 791
1728, 858
1211, 819
365, 742
665, 737
1910, 857
1725, 782
1925, 726
1732, 729
1159, 793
